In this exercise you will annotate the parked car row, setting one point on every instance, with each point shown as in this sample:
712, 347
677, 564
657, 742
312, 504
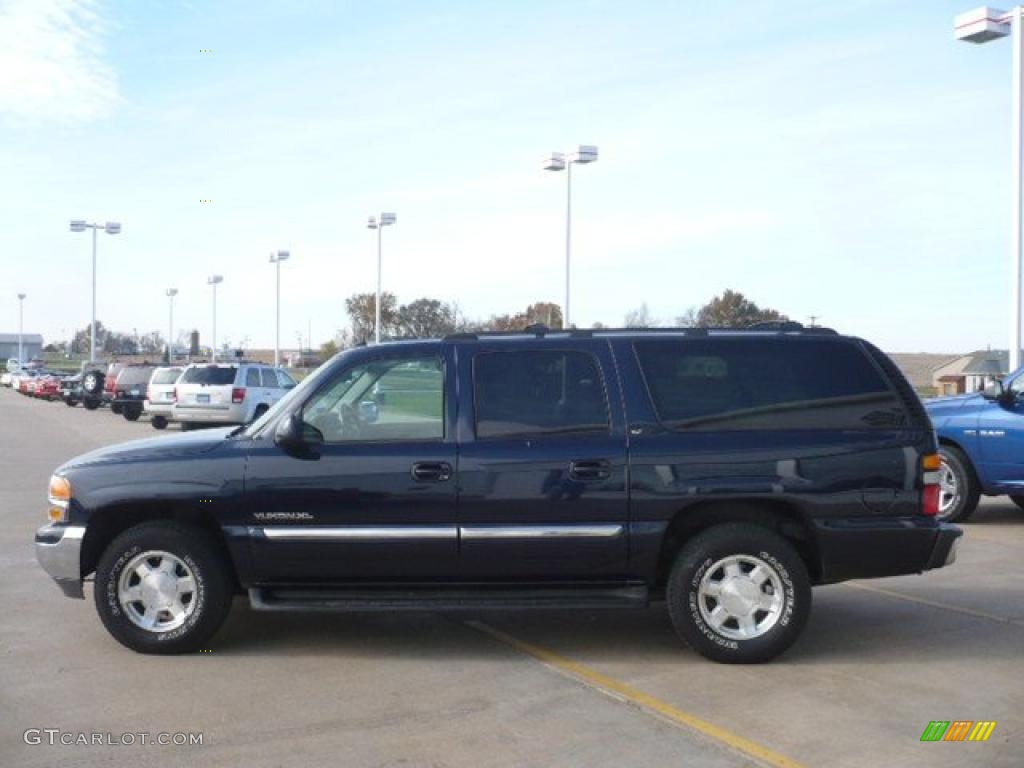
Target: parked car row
195, 394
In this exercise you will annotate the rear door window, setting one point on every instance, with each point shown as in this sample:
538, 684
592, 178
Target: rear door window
538, 392
252, 377
766, 383
269, 378
210, 375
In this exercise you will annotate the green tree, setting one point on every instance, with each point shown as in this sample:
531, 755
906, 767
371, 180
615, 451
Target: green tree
362, 309
425, 318
734, 310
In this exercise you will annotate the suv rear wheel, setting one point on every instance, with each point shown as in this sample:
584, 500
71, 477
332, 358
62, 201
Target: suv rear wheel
958, 487
162, 587
739, 593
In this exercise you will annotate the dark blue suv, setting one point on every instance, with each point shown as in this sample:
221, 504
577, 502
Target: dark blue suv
981, 442
724, 472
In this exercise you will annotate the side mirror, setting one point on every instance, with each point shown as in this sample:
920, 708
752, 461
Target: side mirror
369, 412
298, 438
993, 391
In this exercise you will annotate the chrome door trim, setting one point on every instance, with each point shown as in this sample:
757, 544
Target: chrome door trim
483, 532
356, 532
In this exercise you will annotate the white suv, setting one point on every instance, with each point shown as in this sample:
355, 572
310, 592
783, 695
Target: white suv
160, 395
227, 393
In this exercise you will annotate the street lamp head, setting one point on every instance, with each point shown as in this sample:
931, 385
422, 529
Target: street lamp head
21, 296
387, 219
371, 223
981, 25
113, 227
555, 163
77, 225
279, 256
586, 153
214, 279
172, 292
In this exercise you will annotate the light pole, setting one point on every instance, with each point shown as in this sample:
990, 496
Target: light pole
277, 258
21, 325
171, 293
213, 280
385, 220
111, 228
564, 161
980, 26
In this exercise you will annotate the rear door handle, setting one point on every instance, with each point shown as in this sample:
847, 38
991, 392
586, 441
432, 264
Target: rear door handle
431, 471
590, 469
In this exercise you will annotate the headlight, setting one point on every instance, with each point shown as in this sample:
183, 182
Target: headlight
59, 497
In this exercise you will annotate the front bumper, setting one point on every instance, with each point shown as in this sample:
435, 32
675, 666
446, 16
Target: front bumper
866, 548
58, 550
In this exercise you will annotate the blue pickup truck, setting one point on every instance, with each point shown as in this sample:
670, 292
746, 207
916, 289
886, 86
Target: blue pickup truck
981, 442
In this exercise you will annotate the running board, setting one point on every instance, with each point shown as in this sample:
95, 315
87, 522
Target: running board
444, 599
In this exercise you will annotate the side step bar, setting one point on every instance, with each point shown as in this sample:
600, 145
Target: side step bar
444, 599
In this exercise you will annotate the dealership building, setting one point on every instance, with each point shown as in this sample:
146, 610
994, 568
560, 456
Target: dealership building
31, 346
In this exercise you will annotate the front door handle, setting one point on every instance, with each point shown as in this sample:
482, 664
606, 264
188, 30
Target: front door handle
586, 470
431, 471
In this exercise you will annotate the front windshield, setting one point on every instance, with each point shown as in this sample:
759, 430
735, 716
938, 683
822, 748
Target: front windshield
296, 393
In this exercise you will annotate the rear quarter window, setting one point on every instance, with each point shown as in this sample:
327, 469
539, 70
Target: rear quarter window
767, 383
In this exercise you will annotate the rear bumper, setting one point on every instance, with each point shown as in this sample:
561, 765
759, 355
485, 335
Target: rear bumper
161, 409
219, 414
860, 548
59, 551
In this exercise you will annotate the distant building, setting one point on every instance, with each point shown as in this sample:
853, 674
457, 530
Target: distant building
31, 346
972, 372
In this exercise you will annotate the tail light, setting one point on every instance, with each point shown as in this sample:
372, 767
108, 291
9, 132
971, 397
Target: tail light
932, 492
237, 394
174, 395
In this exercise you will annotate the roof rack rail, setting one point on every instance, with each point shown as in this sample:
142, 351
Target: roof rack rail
541, 331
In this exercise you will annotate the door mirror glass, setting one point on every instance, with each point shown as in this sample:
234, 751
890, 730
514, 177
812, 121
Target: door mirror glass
993, 391
297, 437
369, 412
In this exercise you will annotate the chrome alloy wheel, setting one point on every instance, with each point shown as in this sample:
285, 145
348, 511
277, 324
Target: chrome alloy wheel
949, 489
741, 597
157, 591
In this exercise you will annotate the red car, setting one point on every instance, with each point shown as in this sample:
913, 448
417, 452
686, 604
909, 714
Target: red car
47, 387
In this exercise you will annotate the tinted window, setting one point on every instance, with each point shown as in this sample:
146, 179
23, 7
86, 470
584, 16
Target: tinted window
210, 374
252, 377
166, 376
132, 375
268, 377
390, 399
527, 392
758, 383
286, 381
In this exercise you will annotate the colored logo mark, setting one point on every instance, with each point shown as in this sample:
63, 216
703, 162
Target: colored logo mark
958, 730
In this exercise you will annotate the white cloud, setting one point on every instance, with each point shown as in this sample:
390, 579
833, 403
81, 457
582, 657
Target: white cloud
52, 60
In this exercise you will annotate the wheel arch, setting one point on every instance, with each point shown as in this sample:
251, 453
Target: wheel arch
106, 524
783, 517
949, 442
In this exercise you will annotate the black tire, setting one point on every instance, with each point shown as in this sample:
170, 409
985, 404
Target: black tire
116, 408
260, 410
967, 489
132, 412
91, 405
212, 593
159, 422
92, 382
69, 402
701, 557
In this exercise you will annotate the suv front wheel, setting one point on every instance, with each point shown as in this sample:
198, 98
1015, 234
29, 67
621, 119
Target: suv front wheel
739, 593
162, 587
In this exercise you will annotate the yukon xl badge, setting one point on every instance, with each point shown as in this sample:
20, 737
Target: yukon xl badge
282, 516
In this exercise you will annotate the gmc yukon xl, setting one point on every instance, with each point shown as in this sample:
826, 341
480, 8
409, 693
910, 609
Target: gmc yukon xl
723, 472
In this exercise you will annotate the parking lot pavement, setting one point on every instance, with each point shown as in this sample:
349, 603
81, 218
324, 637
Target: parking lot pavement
878, 661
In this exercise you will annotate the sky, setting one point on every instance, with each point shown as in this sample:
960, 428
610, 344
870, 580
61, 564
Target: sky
845, 160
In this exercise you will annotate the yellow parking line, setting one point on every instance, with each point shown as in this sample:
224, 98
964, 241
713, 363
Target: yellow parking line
643, 700
936, 604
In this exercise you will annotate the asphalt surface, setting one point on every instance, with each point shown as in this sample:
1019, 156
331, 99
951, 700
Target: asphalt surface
878, 661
